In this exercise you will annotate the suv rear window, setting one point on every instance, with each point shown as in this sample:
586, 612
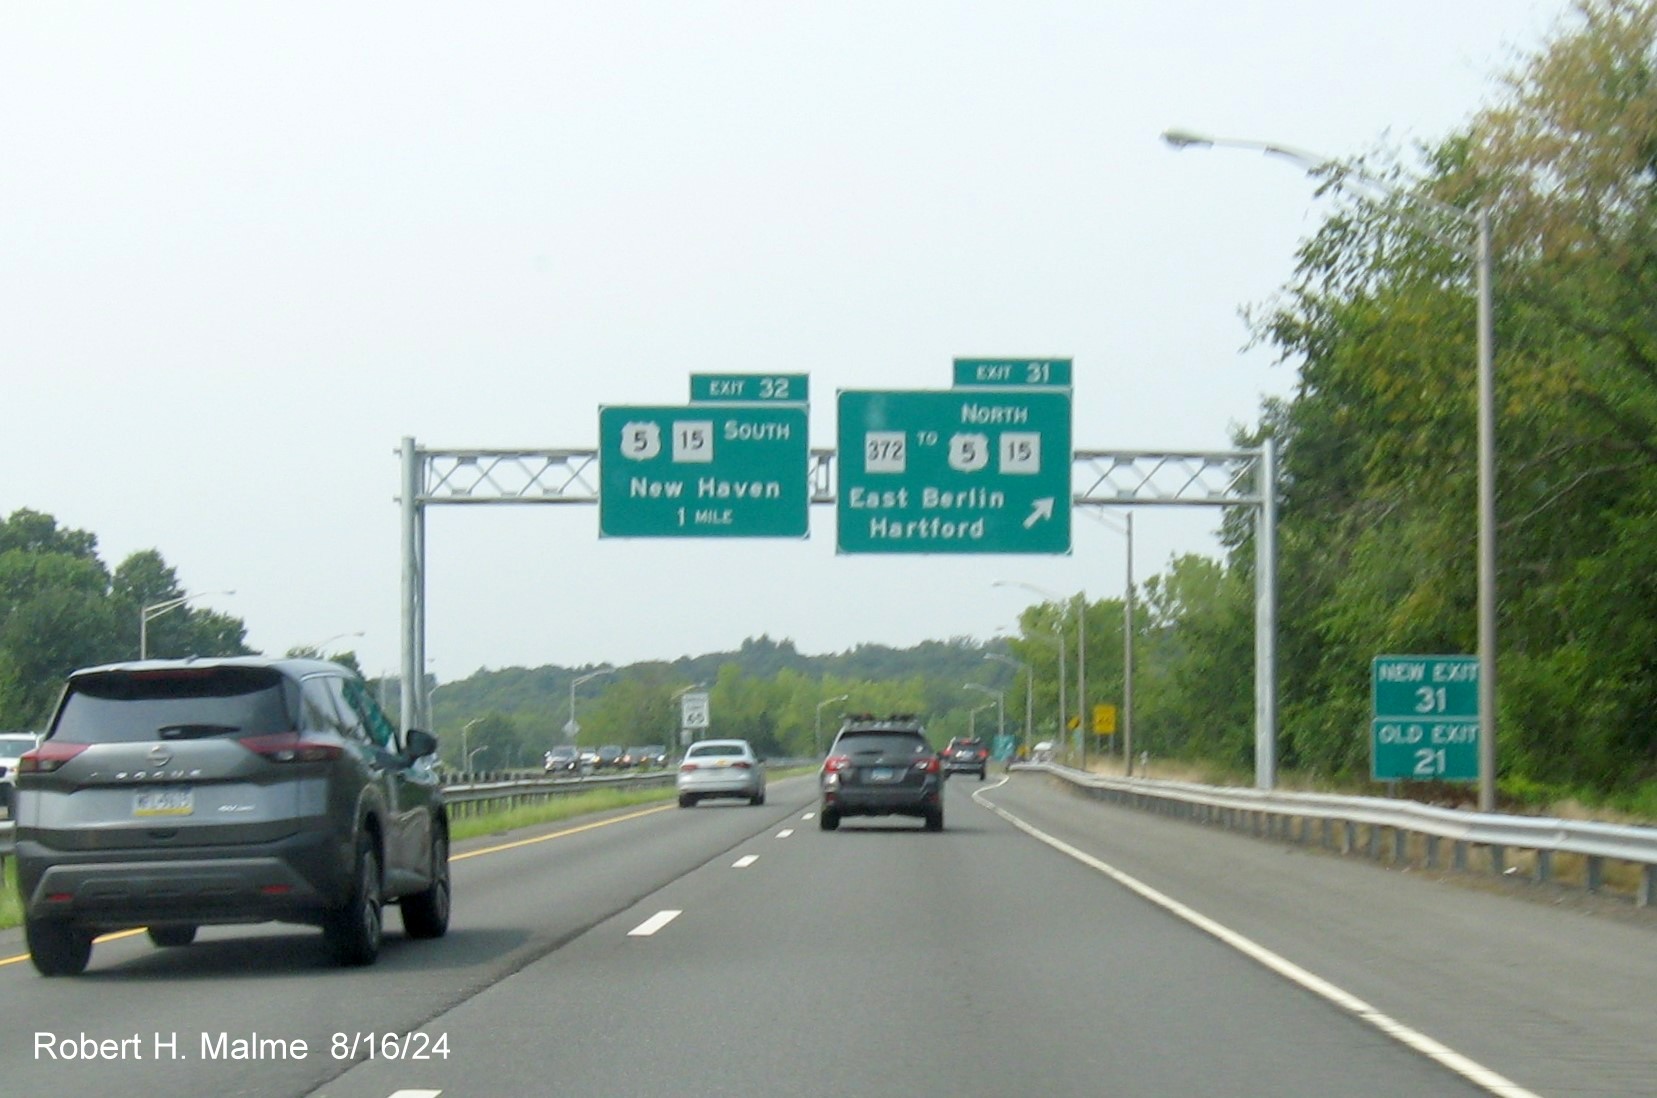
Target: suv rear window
129, 707
883, 743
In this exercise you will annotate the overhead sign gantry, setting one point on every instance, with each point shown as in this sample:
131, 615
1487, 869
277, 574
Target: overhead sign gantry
968, 469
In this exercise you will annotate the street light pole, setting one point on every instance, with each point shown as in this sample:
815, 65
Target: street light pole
1029, 691
149, 613
817, 729
320, 647
1000, 705
1127, 641
572, 728
1081, 677
1479, 220
466, 728
1056, 635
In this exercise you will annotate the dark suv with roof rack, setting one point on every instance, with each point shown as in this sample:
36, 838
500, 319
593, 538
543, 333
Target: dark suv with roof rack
969, 754
181, 793
881, 766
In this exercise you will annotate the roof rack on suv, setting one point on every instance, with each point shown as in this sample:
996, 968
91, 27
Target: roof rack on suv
870, 720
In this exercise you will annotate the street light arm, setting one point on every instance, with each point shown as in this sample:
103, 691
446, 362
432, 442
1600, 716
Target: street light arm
1311, 162
147, 614
1314, 165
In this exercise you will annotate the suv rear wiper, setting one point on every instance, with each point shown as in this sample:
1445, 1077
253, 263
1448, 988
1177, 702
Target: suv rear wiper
194, 731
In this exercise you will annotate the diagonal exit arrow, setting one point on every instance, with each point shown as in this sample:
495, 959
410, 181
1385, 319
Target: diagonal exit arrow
1040, 509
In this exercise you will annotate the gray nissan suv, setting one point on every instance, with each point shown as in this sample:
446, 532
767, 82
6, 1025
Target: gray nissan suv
176, 794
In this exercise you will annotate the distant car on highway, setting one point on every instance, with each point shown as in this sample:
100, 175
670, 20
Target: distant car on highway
609, 757
12, 746
720, 768
881, 766
644, 756
564, 758
182, 793
967, 754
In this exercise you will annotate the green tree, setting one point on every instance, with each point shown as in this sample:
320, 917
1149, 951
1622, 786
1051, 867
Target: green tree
1377, 520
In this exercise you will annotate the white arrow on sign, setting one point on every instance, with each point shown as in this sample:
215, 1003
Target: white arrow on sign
1040, 509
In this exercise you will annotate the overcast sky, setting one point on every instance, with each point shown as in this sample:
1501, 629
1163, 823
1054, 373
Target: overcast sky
246, 248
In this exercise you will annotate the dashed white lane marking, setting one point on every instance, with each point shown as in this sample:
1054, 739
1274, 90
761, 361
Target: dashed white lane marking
1468, 1069
809, 816
745, 861
785, 833
653, 924
416, 1093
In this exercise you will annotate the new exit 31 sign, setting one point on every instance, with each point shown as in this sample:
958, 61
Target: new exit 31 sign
1425, 722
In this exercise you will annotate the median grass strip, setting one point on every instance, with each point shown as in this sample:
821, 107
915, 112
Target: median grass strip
11, 908
555, 809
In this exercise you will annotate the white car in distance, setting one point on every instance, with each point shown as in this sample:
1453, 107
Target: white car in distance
721, 768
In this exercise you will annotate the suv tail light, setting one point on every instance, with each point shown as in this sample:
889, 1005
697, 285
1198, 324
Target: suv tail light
48, 757
291, 747
836, 763
928, 766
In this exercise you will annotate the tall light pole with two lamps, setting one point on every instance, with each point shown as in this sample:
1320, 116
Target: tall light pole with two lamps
1081, 655
465, 755
1000, 705
154, 610
1478, 220
1029, 693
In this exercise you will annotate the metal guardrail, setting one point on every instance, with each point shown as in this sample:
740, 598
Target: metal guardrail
1341, 819
471, 794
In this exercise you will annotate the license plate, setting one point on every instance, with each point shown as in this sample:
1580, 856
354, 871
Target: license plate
169, 801
882, 774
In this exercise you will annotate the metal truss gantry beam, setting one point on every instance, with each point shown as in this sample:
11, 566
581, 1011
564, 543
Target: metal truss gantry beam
1236, 478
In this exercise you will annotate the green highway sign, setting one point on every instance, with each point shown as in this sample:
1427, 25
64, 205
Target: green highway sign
749, 388
954, 471
1425, 721
703, 470
1045, 373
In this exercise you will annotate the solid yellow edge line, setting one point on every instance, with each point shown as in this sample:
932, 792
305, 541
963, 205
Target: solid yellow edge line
560, 834
119, 934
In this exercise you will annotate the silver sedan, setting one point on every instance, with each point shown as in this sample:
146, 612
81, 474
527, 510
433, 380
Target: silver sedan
721, 768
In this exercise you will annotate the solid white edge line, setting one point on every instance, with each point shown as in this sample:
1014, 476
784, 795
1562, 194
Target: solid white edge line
745, 861
1442, 1054
653, 924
